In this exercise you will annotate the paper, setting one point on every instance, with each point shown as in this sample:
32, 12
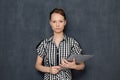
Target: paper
79, 58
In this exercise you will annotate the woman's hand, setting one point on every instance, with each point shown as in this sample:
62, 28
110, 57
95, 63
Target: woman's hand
55, 69
72, 65
67, 64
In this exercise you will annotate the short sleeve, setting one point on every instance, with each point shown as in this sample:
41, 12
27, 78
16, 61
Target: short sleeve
41, 49
76, 47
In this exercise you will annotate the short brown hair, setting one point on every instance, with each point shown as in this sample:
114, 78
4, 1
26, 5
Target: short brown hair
59, 11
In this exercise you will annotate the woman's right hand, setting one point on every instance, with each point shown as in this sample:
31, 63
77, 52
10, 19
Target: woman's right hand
55, 69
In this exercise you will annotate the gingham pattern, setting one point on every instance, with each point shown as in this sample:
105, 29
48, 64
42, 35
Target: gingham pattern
48, 50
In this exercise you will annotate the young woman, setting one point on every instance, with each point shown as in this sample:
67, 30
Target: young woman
53, 51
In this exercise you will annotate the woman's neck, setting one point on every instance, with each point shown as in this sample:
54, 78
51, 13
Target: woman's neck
58, 37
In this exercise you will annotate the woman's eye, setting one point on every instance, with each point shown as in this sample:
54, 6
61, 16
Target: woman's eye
61, 21
53, 21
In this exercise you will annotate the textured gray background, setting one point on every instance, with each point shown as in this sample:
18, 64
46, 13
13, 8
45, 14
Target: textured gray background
95, 24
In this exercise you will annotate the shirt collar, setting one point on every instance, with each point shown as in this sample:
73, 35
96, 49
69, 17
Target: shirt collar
51, 38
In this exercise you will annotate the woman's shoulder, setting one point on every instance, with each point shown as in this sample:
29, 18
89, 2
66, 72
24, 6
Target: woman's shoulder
42, 42
70, 38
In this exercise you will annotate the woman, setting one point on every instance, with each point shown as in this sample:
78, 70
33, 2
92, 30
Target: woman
53, 51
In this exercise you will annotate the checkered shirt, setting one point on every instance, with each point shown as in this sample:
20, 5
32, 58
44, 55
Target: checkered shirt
52, 55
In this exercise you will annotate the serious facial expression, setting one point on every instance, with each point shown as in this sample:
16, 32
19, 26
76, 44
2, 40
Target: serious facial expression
57, 23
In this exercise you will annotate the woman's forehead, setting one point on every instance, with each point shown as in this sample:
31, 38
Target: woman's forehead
57, 16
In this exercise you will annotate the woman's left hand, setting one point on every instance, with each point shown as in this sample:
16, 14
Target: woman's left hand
67, 64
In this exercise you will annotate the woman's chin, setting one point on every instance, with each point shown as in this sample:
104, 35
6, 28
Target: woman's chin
58, 31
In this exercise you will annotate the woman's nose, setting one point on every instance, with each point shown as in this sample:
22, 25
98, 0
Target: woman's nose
57, 24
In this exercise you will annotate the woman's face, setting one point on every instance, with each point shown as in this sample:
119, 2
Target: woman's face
57, 23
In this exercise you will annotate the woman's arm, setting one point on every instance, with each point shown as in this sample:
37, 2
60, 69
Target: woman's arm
40, 67
72, 65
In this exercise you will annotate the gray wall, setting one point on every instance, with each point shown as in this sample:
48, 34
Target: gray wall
95, 24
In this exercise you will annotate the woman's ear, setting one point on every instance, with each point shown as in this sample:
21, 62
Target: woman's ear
65, 22
50, 22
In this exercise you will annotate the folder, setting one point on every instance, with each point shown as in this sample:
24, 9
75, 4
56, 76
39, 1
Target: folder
79, 58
